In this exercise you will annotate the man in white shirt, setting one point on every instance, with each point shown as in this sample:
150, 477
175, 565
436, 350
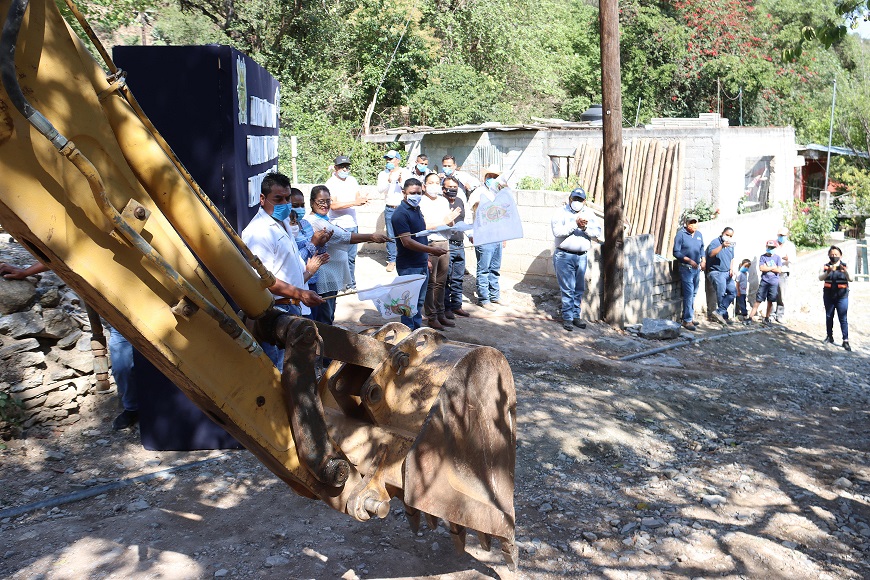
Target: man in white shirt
390, 182
787, 251
574, 227
467, 182
346, 196
268, 237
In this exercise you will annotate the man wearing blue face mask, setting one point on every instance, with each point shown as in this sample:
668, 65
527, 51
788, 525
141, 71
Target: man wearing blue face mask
466, 182
346, 196
390, 182
412, 252
421, 168
720, 272
574, 227
269, 238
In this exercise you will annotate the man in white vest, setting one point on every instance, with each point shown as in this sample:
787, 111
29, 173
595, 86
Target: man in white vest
574, 227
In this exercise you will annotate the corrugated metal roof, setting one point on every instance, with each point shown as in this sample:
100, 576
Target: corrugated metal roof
492, 126
834, 149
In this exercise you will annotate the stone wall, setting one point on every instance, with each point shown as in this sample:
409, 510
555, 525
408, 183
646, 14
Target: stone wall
45, 352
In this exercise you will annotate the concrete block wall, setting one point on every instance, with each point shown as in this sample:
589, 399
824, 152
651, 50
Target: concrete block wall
652, 288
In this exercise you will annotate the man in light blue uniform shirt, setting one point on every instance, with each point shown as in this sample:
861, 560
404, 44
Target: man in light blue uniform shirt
574, 227
689, 252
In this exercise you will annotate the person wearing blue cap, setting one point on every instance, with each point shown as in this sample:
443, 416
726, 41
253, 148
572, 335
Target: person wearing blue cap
390, 182
574, 227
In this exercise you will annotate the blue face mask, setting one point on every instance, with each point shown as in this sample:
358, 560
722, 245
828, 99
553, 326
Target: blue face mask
448, 171
300, 212
391, 166
744, 269
491, 182
281, 212
769, 250
780, 239
343, 174
422, 168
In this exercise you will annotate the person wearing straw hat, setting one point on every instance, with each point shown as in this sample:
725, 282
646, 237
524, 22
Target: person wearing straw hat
488, 255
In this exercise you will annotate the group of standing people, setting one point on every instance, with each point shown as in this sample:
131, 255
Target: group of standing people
446, 197
313, 252
730, 280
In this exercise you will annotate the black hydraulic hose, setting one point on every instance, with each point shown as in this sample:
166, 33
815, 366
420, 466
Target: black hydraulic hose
9, 78
100, 489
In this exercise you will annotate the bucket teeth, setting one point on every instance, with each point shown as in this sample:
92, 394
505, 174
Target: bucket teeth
485, 541
432, 521
413, 516
458, 534
510, 553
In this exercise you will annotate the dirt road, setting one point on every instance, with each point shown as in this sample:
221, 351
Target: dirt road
743, 457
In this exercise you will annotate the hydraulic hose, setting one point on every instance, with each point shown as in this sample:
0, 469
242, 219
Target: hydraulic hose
267, 279
9, 78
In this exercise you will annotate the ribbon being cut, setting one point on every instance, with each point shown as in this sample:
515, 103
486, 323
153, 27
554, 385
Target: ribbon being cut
396, 299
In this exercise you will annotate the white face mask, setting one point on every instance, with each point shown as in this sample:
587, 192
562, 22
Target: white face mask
576, 206
432, 190
413, 199
294, 229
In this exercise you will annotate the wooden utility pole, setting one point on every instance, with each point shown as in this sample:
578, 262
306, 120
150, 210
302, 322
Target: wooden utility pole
611, 93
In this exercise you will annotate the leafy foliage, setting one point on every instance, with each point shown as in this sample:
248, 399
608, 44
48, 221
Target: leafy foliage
470, 61
809, 224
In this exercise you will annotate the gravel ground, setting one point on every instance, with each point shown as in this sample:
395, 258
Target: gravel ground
741, 457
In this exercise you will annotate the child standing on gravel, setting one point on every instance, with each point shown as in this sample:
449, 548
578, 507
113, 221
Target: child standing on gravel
742, 288
769, 265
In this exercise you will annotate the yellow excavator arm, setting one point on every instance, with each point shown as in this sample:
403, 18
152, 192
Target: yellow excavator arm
90, 188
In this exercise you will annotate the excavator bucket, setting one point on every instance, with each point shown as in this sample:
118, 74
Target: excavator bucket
93, 191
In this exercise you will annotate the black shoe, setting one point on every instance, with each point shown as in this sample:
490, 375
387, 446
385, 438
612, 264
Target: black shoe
568, 325
125, 420
829, 340
579, 323
846, 345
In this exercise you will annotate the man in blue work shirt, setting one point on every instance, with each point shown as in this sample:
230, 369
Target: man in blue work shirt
412, 251
689, 252
720, 272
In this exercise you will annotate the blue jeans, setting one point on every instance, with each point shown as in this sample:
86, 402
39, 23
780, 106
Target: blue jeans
571, 275
351, 259
690, 279
275, 354
488, 265
741, 305
416, 321
391, 246
121, 352
725, 289
456, 274
841, 305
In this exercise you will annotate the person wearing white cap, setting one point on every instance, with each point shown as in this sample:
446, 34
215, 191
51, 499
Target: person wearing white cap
390, 182
488, 255
346, 196
787, 251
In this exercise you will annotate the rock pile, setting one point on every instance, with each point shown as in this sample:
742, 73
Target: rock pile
46, 363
